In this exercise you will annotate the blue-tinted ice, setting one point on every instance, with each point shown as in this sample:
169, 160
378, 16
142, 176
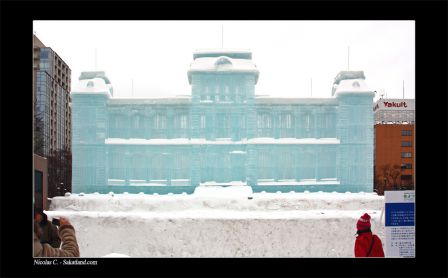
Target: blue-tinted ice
222, 134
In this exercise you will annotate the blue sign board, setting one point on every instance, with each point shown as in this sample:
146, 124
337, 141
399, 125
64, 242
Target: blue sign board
400, 214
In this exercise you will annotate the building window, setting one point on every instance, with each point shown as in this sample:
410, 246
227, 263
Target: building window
183, 122
406, 133
285, 121
265, 165
202, 121
406, 143
406, 154
307, 121
38, 194
242, 122
406, 177
406, 166
160, 122
264, 121
38, 180
44, 53
137, 122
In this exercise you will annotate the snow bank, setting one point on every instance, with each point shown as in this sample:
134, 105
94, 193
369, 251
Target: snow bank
218, 222
227, 198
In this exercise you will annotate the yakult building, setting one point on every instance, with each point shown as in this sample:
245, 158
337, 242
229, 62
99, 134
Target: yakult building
394, 136
222, 134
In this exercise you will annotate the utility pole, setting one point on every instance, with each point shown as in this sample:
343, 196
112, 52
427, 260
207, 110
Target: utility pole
403, 89
311, 83
348, 58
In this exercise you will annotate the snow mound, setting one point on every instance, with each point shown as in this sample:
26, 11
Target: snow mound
220, 191
233, 198
219, 221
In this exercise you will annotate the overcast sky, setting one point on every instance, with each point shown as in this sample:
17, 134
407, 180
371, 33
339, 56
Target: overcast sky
156, 54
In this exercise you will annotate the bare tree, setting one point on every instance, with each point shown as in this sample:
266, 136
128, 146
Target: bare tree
379, 185
385, 170
38, 134
395, 173
389, 176
59, 172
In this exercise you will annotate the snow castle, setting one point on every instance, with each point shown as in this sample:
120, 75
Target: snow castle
222, 134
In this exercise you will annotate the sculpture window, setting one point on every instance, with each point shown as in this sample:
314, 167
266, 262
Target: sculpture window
160, 121
203, 121
183, 121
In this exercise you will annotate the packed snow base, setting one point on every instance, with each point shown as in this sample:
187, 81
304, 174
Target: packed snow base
218, 222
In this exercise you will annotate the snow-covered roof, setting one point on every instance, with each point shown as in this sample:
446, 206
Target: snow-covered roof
252, 141
222, 64
342, 75
93, 74
232, 53
95, 85
351, 86
288, 100
350, 82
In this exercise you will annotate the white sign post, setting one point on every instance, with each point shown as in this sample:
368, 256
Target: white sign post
400, 223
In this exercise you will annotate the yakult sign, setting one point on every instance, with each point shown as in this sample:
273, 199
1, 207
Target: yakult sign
394, 104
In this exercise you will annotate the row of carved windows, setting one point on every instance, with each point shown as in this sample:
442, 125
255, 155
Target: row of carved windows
264, 120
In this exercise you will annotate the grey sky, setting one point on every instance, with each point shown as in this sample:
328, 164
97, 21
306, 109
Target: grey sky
157, 54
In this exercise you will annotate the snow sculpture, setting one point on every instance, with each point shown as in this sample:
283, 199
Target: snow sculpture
223, 134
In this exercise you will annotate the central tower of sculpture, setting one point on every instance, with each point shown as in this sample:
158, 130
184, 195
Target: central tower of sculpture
223, 105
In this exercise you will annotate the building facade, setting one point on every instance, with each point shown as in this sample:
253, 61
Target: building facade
394, 165
222, 134
51, 90
52, 115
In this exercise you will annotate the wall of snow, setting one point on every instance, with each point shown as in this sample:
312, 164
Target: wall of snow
215, 225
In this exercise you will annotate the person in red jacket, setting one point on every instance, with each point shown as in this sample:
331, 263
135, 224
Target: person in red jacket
367, 244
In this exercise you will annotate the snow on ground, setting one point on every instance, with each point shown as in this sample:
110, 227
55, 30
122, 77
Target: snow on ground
115, 255
218, 222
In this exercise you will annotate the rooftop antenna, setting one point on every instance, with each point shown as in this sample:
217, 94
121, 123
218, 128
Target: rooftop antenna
348, 58
311, 83
132, 90
403, 89
382, 93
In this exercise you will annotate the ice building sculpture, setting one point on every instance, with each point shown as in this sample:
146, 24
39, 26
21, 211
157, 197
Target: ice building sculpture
223, 134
